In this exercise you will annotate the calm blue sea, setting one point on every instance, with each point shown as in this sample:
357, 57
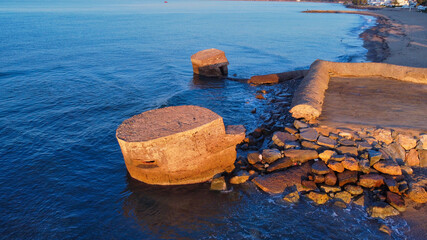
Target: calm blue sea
72, 71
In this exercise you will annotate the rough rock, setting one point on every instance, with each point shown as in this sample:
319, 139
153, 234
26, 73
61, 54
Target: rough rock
319, 178
210, 63
391, 185
310, 145
347, 142
394, 152
329, 189
292, 197
403, 186
279, 164
240, 177
260, 96
338, 158
412, 158
364, 165
422, 155
388, 167
298, 155
374, 156
382, 210
330, 179
254, 157
319, 198
291, 130
417, 194
319, 167
351, 164
383, 228
280, 138
326, 155
340, 204
271, 155
299, 124
362, 146
360, 201
407, 170
383, 135
407, 142
396, 201
308, 185
309, 134
353, 189
343, 196
347, 150
371, 180
336, 166
347, 177
289, 145
276, 183
264, 79
218, 184
327, 142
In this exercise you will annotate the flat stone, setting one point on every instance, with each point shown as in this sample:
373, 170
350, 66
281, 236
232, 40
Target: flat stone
391, 185
319, 167
346, 177
388, 167
299, 124
351, 164
329, 189
280, 138
347, 142
383, 135
279, 164
319, 198
353, 189
422, 155
292, 197
310, 145
412, 158
271, 155
336, 166
394, 152
338, 158
291, 130
218, 184
374, 156
254, 157
319, 178
289, 145
417, 194
276, 183
343, 196
308, 185
423, 142
362, 146
309, 134
326, 155
382, 210
210, 63
396, 201
330, 179
347, 150
327, 142
371, 180
360, 201
240, 177
298, 155
407, 142
264, 79
364, 165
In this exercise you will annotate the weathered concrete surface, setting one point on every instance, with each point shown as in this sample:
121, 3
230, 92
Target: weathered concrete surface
310, 96
178, 145
210, 63
278, 77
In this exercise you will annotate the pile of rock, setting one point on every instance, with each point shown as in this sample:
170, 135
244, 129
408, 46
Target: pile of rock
369, 167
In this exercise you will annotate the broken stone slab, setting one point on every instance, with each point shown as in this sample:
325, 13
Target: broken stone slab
264, 79
374, 156
353, 189
336, 166
388, 167
299, 124
299, 155
394, 152
327, 142
254, 158
292, 197
178, 145
396, 201
412, 158
343, 196
240, 177
281, 138
271, 155
347, 150
210, 63
276, 183
351, 164
326, 155
423, 142
383, 135
391, 185
422, 155
319, 167
330, 179
310, 145
382, 210
407, 142
309, 134
371, 180
279, 164
329, 189
347, 177
319, 198
218, 184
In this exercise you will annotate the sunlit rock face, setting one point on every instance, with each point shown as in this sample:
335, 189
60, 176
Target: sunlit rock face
178, 145
210, 63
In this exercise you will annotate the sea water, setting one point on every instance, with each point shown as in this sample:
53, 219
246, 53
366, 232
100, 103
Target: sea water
72, 71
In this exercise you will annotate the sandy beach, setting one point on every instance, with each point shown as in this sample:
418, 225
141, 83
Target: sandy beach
407, 38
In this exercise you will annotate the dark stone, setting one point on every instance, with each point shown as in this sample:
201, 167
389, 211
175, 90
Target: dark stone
310, 145
347, 142
309, 185
298, 155
347, 150
392, 185
374, 156
309, 134
319, 167
279, 164
319, 178
347, 177
362, 146
365, 165
338, 158
396, 201
327, 142
371, 180
330, 179
254, 158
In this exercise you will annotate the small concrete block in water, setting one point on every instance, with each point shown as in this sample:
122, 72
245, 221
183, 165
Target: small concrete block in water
210, 63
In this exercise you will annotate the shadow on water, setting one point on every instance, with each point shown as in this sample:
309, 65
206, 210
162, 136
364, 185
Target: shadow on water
201, 82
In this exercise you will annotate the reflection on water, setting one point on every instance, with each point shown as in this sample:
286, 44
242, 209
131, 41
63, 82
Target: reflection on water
201, 82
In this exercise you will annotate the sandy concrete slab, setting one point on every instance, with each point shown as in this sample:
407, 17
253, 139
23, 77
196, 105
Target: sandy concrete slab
375, 101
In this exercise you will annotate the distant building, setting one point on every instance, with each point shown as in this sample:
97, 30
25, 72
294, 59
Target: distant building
388, 2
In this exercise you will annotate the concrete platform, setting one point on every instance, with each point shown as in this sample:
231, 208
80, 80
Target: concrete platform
375, 101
